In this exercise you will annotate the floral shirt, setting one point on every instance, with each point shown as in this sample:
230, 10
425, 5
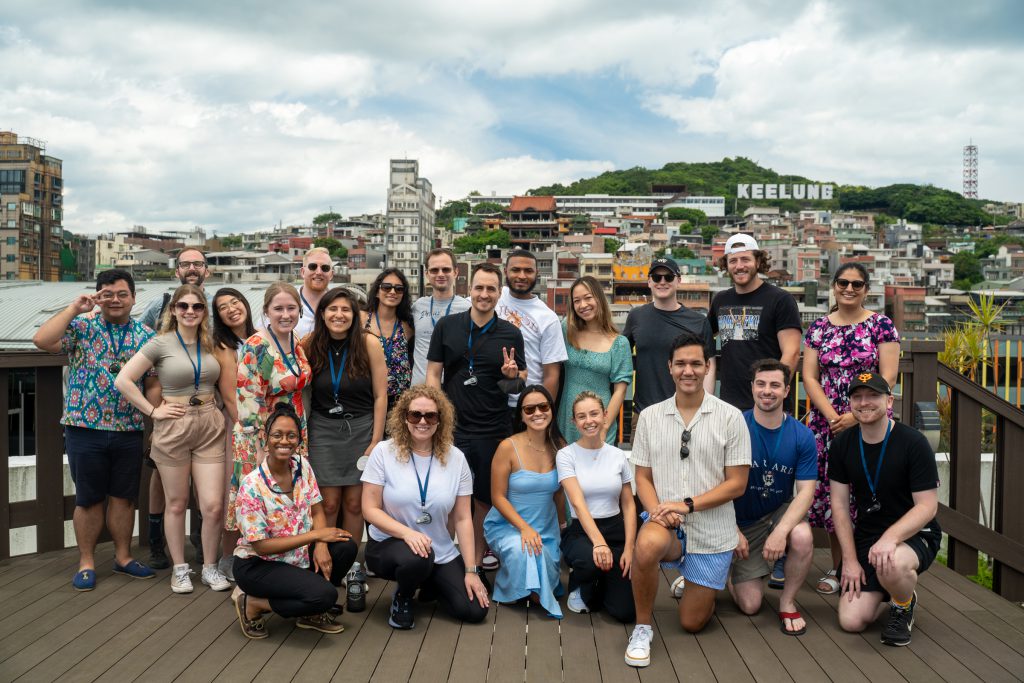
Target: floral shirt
396, 354
264, 379
263, 511
95, 348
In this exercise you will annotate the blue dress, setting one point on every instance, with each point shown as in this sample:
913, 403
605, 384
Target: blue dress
521, 573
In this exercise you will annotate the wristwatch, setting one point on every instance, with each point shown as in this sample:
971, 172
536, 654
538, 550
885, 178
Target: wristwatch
689, 504
473, 570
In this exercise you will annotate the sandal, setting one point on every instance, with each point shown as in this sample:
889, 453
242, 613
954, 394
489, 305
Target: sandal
252, 628
829, 579
791, 616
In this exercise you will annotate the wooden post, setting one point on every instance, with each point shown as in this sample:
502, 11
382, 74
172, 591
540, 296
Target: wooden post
5, 476
1009, 506
964, 473
49, 459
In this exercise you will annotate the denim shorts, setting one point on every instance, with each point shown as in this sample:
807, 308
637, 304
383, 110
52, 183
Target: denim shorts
103, 463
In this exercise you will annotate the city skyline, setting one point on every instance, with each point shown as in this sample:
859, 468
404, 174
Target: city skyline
236, 118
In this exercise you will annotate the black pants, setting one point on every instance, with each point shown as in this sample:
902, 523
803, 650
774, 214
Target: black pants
294, 591
598, 588
393, 560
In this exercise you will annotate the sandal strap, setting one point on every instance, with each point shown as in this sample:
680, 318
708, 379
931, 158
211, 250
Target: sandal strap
790, 615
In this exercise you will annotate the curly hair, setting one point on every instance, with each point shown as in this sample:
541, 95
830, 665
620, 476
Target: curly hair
763, 259
169, 323
443, 438
554, 434
404, 311
282, 409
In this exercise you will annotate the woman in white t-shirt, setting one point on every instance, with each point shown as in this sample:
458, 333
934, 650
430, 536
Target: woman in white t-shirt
598, 545
412, 483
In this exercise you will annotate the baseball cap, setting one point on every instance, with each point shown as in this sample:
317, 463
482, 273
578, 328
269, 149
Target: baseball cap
664, 263
740, 242
872, 381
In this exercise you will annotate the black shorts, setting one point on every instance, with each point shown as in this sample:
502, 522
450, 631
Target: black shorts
103, 463
925, 545
479, 454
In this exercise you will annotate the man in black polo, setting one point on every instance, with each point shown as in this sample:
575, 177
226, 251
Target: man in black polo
890, 469
481, 359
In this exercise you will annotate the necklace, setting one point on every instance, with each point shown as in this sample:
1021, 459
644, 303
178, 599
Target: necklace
539, 449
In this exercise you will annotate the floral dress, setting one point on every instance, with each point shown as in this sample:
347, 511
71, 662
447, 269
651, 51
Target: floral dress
399, 362
263, 380
843, 352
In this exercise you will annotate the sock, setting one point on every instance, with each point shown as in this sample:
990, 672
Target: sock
902, 605
156, 530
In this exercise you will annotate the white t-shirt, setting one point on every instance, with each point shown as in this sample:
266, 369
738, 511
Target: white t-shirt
424, 321
402, 493
600, 474
542, 334
306, 321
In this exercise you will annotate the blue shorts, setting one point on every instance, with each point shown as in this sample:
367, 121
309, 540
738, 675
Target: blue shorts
704, 569
103, 463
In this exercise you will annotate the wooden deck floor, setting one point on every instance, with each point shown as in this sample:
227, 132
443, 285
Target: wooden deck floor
138, 630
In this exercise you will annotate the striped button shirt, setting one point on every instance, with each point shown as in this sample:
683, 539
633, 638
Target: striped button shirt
718, 439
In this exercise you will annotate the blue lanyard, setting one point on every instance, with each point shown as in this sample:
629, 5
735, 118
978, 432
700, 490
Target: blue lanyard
295, 478
284, 357
433, 323
197, 370
116, 347
336, 378
388, 343
469, 344
306, 303
872, 484
422, 483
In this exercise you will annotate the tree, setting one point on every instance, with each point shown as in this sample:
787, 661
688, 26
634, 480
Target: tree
967, 268
708, 233
488, 207
326, 218
336, 248
231, 241
696, 217
450, 211
611, 245
477, 243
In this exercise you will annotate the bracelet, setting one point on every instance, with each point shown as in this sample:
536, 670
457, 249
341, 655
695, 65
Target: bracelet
153, 410
602, 545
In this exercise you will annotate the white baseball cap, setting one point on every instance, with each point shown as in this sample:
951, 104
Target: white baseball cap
740, 242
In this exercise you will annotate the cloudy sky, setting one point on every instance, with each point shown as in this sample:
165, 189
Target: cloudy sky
235, 116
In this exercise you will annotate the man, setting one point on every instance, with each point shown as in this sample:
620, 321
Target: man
772, 521
753, 319
102, 431
191, 269
317, 272
480, 357
692, 454
892, 473
542, 332
442, 273
650, 330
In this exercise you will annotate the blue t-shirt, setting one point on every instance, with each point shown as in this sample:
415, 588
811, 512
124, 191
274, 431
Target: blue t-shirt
774, 468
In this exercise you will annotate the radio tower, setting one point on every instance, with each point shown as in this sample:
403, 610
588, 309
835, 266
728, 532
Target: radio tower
971, 171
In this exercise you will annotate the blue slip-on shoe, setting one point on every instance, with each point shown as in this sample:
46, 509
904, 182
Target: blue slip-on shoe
85, 580
777, 580
134, 569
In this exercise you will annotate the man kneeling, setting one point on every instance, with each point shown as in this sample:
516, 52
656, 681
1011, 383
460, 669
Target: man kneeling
772, 522
891, 470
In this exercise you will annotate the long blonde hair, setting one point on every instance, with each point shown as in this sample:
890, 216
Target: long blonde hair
443, 438
169, 323
574, 324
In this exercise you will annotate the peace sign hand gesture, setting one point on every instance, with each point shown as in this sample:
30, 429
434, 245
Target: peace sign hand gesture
509, 369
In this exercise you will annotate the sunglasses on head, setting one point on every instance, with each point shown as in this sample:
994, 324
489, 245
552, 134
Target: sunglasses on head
184, 307
684, 449
663, 277
413, 417
542, 407
324, 267
843, 283
387, 287
435, 271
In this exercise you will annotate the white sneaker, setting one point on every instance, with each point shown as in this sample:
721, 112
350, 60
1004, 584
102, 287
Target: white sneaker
638, 652
575, 603
181, 582
214, 579
677, 587
226, 566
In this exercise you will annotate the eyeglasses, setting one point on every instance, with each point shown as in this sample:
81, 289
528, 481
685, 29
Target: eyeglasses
284, 436
542, 407
663, 277
198, 265
435, 271
110, 296
684, 449
324, 267
185, 307
414, 417
387, 287
843, 283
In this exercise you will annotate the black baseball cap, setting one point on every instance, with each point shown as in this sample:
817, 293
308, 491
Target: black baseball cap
872, 381
664, 263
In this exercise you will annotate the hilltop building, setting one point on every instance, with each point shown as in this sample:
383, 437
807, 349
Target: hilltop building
31, 210
410, 221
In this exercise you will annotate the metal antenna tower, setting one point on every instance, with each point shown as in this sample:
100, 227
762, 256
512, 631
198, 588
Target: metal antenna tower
971, 171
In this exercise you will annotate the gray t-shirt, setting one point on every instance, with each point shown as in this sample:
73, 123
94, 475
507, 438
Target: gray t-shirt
175, 371
425, 313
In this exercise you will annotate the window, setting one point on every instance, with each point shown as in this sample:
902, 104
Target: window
11, 258
12, 206
12, 241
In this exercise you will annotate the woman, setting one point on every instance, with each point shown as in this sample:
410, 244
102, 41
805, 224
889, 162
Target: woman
599, 357
598, 545
522, 527
188, 429
348, 405
837, 347
282, 524
272, 369
412, 484
388, 316
232, 325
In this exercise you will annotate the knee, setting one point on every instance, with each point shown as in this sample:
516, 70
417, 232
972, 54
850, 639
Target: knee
331, 506
852, 622
801, 540
648, 550
470, 612
212, 509
343, 553
175, 506
749, 604
624, 614
353, 505
323, 599
694, 623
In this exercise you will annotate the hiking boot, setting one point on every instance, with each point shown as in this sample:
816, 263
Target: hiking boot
401, 613
901, 621
324, 623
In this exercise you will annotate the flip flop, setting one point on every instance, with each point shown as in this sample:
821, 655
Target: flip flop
790, 615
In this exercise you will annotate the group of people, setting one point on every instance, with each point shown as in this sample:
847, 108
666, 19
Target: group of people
490, 422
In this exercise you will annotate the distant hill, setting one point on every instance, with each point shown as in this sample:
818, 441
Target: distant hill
917, 203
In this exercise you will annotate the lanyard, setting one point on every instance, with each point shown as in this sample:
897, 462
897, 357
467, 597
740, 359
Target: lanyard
284, 357
387, 343
433, 323
469, 343
872, 484
306, 303
116, 347
271, 484
336, 378
422, 483
196, 369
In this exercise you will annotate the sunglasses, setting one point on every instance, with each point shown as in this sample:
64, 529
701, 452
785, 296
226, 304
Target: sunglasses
324, 267
435, 271
184, 307
185, 265
387, 287
684, 449
843, 283
663, 277
542, 407
414, 417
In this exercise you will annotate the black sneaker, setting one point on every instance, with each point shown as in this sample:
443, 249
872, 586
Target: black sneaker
158, 558
401, 613
901, 621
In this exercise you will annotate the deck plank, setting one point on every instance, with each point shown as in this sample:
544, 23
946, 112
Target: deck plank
761, 660
1009, 612
198, 640
473, 649
508, 649
543, 645
399, 656
434, 659
579, 649
364, 652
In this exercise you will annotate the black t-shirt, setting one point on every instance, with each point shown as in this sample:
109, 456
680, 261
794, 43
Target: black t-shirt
481, 410
748, 326
908, 467
354, 393
651, 331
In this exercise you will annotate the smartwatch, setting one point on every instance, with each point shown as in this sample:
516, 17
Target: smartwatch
689, 504
473, 570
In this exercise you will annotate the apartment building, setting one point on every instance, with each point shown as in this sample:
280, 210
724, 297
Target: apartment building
409, 234
31, 210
